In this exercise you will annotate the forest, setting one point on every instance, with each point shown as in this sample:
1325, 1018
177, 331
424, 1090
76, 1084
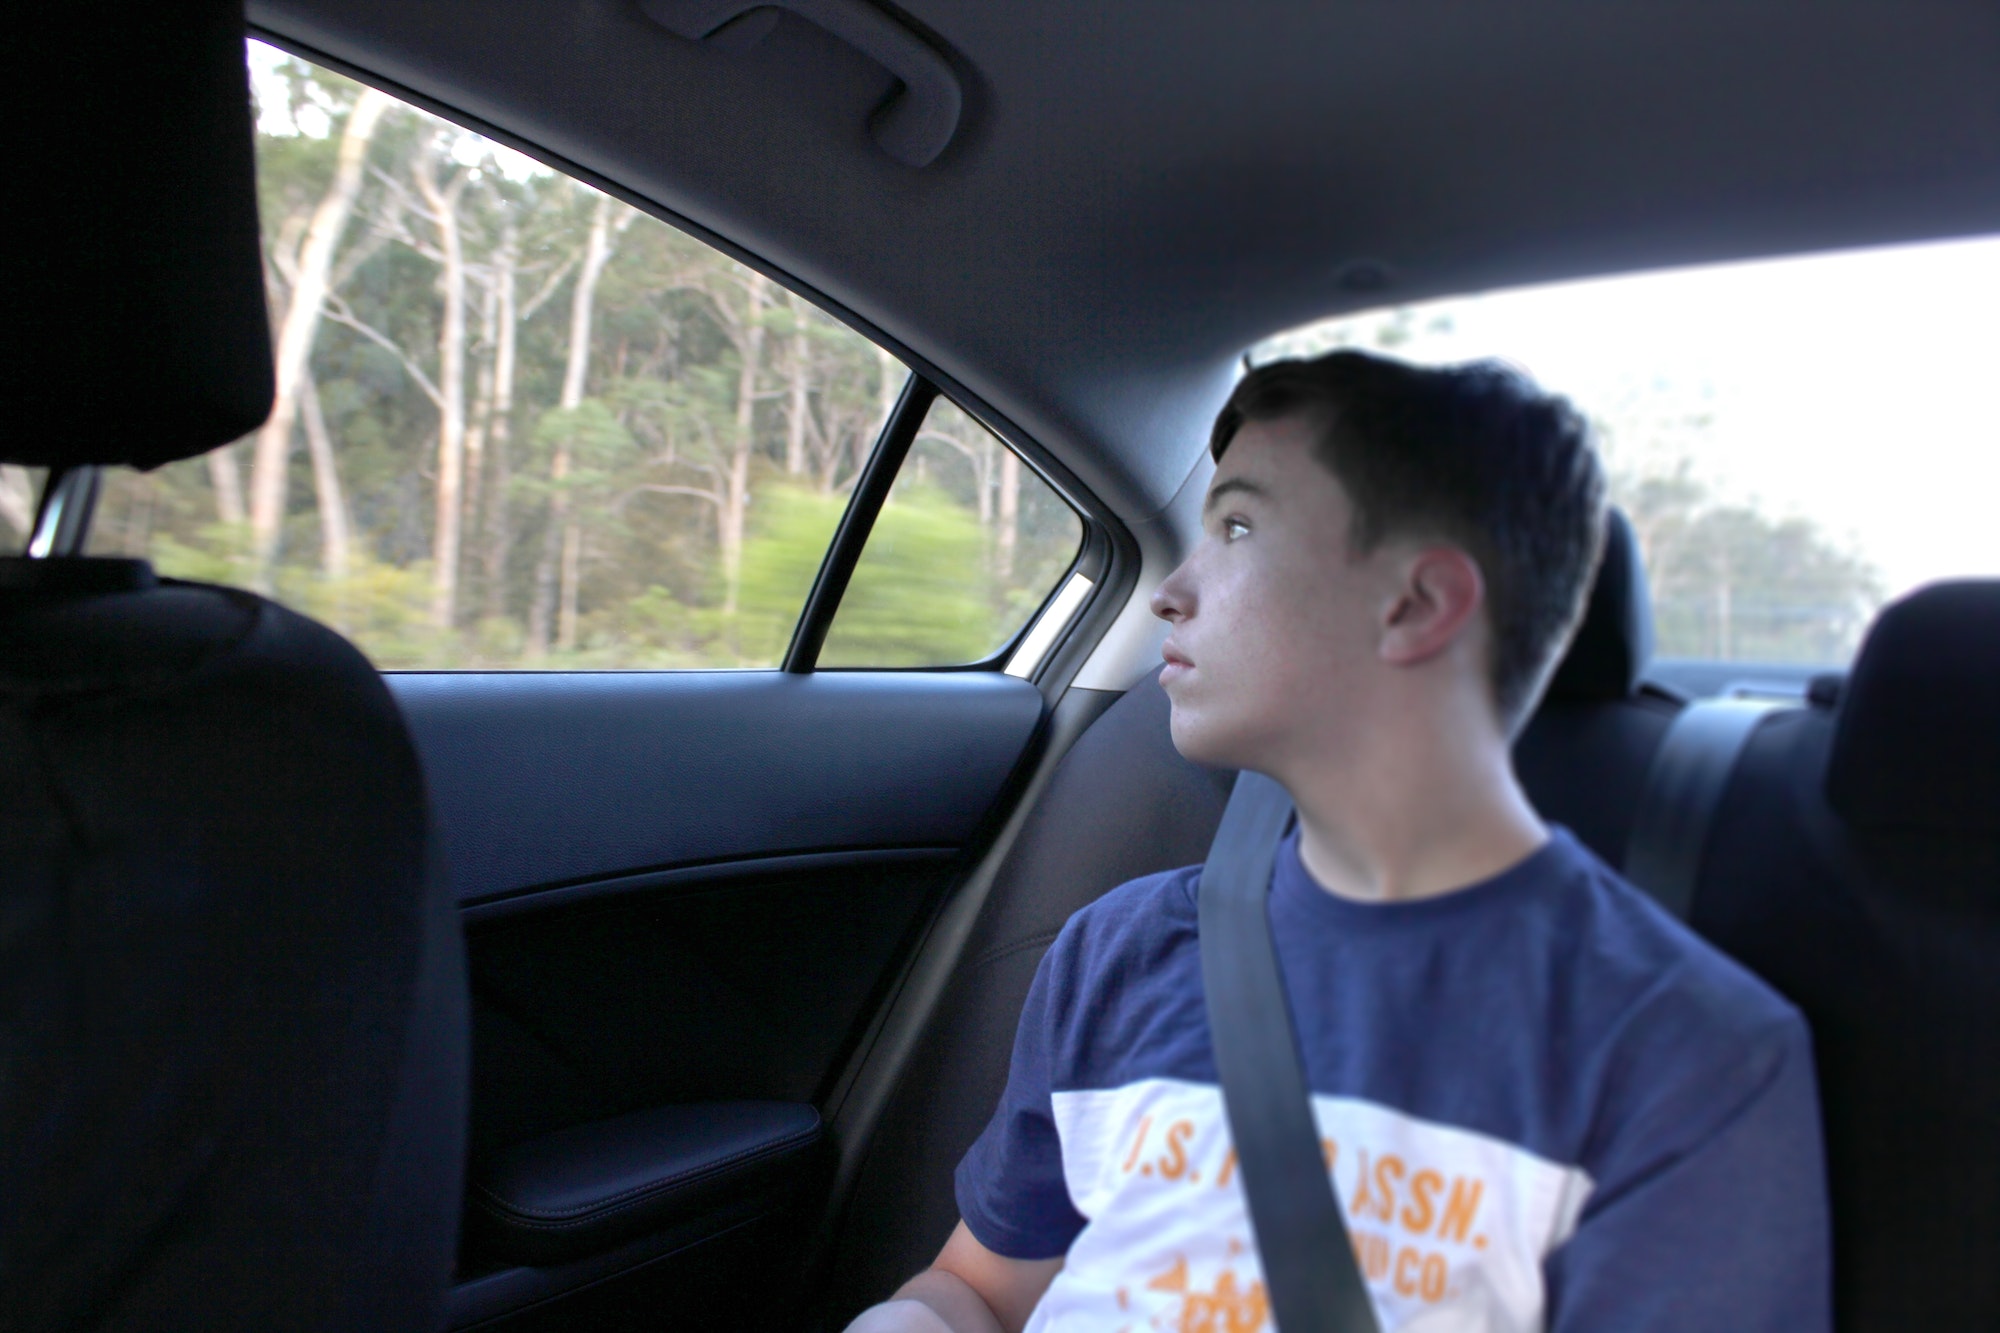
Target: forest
520, 424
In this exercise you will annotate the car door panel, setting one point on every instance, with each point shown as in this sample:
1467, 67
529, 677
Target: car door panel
687, 890
540, 780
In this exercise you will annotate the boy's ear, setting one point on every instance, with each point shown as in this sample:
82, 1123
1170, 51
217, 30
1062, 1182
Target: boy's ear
1441, 591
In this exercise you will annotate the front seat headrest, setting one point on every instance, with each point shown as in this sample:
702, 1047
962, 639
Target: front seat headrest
1614, 642
136, 330
1916, 743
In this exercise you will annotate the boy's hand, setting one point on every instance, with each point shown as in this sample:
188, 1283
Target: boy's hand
967, 1289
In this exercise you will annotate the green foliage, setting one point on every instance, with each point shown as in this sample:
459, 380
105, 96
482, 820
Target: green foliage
921, 595
1731, 583
652, 459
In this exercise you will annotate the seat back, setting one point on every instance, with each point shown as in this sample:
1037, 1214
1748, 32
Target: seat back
232, 1020
1856, 866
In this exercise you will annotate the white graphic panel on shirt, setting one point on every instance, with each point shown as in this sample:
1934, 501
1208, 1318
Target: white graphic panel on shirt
1450, 1226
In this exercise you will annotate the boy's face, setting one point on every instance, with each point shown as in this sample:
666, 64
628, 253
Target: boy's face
1273, 615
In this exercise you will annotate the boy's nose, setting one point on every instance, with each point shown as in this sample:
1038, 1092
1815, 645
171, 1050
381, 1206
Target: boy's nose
1170, 601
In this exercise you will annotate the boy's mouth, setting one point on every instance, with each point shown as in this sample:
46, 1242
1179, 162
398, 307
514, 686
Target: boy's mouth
1176, 662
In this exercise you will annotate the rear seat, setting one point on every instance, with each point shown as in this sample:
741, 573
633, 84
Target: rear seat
1855, 865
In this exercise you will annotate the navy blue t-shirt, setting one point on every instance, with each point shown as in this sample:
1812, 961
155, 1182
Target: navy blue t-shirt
1544, 1104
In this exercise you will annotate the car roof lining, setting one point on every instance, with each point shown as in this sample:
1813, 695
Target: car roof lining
1136, 194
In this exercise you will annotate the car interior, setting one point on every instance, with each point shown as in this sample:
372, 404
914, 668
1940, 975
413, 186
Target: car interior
623, 999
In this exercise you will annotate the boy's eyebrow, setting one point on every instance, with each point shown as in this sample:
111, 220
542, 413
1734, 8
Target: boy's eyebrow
1222, 488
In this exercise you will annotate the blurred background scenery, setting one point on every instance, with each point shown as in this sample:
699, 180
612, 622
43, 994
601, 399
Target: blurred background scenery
1796, 441
520, 423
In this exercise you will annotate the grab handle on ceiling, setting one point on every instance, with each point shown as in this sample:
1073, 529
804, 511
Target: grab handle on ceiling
913, 125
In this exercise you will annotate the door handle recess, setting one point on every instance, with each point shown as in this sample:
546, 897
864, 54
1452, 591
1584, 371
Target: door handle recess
913, 125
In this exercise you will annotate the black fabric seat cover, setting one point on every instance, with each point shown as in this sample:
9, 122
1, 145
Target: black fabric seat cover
1856, 866
232, 993
233, 1028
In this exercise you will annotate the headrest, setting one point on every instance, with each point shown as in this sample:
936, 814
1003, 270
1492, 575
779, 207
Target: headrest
1615, 640
136, 330
1916, 742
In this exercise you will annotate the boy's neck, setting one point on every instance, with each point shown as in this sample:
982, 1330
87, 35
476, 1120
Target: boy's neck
1415, 822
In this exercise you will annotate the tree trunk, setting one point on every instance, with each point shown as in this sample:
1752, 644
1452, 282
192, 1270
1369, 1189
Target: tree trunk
736, 485
334, 533
17, 500
295, 337
499, 516
799, 400
445, 539
1010, 516
227, 480
482, 415
576, 370
982, 475
572, 560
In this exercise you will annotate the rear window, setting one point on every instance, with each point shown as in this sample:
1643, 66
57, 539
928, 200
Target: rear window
1796, 441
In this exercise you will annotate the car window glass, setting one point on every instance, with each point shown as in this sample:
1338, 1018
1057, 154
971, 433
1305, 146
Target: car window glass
20, 490
520, 424
968, 545
1796, 441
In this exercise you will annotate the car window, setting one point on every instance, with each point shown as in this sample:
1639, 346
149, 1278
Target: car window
20, 491
1796, 441
520, 424
968, 545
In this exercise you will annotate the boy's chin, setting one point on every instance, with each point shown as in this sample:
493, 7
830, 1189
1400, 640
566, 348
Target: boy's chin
1211, 741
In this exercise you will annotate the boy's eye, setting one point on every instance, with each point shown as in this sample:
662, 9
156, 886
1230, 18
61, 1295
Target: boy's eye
1232, 528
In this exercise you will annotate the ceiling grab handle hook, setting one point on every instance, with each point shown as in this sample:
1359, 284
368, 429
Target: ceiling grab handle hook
913, 125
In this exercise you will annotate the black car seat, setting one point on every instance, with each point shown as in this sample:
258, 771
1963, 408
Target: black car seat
232, 1009
1855, 865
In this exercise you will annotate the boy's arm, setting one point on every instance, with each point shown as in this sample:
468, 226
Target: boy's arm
967, 1289
1730, 1233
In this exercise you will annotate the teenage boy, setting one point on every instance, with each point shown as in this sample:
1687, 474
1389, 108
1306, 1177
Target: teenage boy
1545, 1104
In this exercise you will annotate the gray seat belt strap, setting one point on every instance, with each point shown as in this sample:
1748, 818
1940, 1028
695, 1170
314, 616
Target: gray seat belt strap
1683, 794
1310, 1273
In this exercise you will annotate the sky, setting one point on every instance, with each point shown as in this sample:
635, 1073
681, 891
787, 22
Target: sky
1859, 389
277, 116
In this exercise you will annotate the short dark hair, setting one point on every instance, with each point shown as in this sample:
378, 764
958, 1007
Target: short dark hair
1476, 455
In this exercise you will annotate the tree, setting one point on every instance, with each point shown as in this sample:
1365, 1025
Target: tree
1729, 581
1734, 584
562, 540
17, 500
296, 331
441, 199
619, 445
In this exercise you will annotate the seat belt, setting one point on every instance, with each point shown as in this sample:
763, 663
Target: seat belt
1683, 794
1310, 1273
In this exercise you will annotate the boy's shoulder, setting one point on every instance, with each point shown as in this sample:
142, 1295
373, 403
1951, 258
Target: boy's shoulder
1142, 918
1164, 899
1628, 943
1619, 962
1680, 1030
